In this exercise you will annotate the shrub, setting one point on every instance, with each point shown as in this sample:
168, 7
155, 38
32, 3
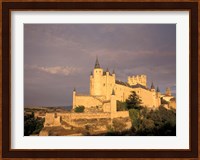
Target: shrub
118, 125
79, 109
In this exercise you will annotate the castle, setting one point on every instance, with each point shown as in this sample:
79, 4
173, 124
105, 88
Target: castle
101, 104
105, 90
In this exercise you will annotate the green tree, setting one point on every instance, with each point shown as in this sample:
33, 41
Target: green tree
121, 106
133, 101
32, 125
134, 114
79, 109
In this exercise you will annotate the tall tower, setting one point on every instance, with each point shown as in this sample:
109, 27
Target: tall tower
96, 80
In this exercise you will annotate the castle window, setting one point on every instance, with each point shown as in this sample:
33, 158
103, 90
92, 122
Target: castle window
104, 84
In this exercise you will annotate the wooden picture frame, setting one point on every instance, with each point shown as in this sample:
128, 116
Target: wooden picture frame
7, 152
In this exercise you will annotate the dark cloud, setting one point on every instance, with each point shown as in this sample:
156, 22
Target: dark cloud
59, 57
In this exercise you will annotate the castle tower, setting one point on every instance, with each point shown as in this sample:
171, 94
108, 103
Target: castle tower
74, 98
113, 103
96, 80
168, 92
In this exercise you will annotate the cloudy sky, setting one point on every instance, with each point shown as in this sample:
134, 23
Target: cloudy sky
59, 57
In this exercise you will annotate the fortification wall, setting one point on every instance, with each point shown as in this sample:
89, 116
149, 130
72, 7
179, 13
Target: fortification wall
87, 101
148, 98
106, 107
122, 92
72, 116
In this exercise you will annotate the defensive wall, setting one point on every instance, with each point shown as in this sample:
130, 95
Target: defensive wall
54, 119
87, 100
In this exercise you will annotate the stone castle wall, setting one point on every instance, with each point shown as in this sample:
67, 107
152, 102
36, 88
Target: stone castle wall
87, 101
52, 120
72, 116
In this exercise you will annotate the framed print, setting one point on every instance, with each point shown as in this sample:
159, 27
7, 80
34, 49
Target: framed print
100, 79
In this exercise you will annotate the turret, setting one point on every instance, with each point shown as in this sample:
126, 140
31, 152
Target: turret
113, 74
168, 92
98, 71
113, 103
97, 65
96, 81
107, 72
158, 92
113, 92
74, 98
152, 87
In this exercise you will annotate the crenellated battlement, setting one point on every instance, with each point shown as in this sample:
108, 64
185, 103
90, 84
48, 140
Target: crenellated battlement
138, 79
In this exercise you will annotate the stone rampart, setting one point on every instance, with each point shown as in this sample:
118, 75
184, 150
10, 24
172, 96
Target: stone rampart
87, 101
72, 116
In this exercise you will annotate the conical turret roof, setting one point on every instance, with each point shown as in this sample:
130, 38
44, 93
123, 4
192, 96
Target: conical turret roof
97, 65
113, 71
113, 92
152, 86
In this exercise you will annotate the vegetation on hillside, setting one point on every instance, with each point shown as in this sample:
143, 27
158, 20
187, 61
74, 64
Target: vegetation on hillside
145, 121
32, 125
